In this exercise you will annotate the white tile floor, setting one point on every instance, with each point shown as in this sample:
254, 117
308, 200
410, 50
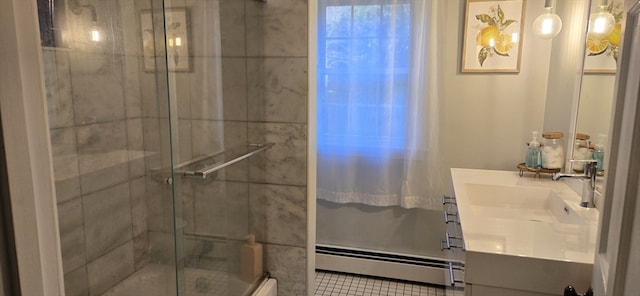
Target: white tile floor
340, 284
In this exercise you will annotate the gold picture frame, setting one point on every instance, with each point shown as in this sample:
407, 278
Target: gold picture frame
601, 56
493, 36
177, 39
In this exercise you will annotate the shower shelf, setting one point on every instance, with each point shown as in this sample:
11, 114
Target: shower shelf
203, 167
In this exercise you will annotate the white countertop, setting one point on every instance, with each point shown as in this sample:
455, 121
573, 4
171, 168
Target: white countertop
508, 237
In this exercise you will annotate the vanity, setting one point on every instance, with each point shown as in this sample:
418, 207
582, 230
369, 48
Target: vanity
522, 235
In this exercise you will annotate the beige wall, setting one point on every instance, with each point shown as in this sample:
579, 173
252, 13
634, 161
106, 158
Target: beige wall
489, 116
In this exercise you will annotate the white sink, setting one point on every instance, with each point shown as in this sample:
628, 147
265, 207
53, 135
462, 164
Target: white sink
523, 233
536, 204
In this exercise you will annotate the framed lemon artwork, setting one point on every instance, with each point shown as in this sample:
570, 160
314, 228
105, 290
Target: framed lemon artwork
174, 25
601, 54
492, 36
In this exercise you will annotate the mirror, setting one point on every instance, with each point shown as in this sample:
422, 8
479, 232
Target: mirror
597, 87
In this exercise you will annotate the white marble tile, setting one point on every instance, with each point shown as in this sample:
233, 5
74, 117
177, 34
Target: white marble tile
107, 218
141, 250
108, 270
98, 87
151, 134
205, 28
139, 212
232, 27
133, 96
57, 79
149, 94
184, 140
278, 214
210, 208
102, 137
237, 204
208, 137
135, 144
205, 83
277, 89
234, 85
235, 135
179, 87
277, 28
70, 221
162, 247
135, 141
103, 157
132, 43
76, 283
186, 212
286, 162
155, 196
65, 163
288, 265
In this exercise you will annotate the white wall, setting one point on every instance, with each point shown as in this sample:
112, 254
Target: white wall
489, 116
596, 100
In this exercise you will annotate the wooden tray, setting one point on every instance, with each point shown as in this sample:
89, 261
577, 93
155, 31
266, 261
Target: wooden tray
524, 169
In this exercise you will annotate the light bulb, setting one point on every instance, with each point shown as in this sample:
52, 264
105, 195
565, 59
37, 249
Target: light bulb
547, 25
601, 24
96, 34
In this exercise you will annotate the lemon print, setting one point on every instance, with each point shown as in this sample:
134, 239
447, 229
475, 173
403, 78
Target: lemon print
597, 46
503, 44
614, 37
487, 34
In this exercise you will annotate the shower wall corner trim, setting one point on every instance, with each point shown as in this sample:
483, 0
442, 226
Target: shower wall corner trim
28, 151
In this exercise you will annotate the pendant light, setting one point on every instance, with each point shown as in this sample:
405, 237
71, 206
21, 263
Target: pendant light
548, 24
601, 22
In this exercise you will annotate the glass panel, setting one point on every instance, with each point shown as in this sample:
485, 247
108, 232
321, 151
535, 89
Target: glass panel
108, 129
208, 120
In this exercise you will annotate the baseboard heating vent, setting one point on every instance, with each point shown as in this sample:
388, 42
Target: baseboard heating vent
387, 257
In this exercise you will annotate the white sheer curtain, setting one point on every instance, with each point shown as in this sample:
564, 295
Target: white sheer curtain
379, 102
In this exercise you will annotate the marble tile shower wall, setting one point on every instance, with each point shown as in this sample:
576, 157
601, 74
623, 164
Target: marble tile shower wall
96, 129
275, 51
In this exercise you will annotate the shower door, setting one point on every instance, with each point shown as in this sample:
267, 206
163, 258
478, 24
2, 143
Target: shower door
138, 110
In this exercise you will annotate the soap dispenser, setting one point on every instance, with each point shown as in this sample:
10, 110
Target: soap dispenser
598, 153
250, 259
533, 160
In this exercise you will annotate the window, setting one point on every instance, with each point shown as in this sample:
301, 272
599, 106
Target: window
363, 75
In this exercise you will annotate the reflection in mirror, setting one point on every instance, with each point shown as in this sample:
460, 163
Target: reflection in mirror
597, 90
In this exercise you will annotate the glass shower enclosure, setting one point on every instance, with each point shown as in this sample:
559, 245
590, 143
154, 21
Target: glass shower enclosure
151, 146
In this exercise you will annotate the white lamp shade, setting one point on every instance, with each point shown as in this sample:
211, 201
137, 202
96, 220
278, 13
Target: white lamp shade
547, 25
601, 24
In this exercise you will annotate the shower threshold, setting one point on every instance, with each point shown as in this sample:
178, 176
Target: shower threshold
387, 264
159, 280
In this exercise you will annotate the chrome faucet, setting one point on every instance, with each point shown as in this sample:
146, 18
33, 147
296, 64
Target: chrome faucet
588, 184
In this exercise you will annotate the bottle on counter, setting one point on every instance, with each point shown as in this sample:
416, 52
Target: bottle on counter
250, 260
598, 153
581, 151
533, 160
552, 151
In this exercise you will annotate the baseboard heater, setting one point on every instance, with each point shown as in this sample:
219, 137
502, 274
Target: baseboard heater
388, 265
